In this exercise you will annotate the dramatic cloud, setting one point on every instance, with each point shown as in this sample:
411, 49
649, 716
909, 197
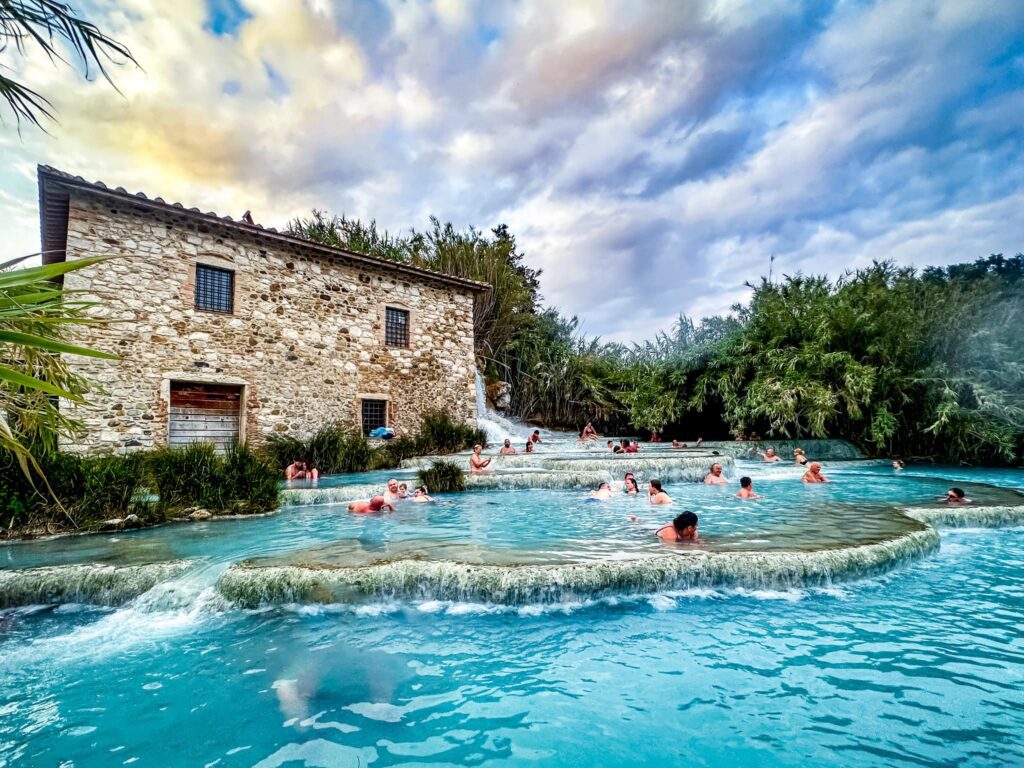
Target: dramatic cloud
650, 157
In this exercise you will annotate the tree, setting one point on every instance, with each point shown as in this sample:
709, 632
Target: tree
36, 315
48, 24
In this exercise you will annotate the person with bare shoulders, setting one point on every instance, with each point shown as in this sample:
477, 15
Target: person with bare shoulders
800, 456
588, 433
373, 506
393, 492
715, 477
419, 495
535, 437
630, 486
294, 471
477, 463
770, 456
898, 464
656, 495
956, 496
529, 446
813, 474
682, 528
747, 489
603, 493
507, 449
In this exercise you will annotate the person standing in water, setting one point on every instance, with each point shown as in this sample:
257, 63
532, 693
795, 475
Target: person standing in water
507, 449
747, 489
656, 495
800, 456
714, 477
813, 474
682, 528
477, 463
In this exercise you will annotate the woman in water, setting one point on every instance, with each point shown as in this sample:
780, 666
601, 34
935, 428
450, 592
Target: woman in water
376, 504
656, 495
477, 463
683, 528
588, 433
630, 486
529, 446
419, 495
801, 457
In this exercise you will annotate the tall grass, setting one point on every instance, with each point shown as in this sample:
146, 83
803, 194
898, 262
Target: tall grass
442, 477
335, 449
197, 476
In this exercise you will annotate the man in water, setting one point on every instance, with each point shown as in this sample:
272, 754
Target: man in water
376, 504
603, 492
295, 471
393, 492
714, 477
633, 447
419, 495
507, 449
956, 496
656, 495
535, 437
477, 463
611, 445
683, 528
813, 474
747, 489
770, 456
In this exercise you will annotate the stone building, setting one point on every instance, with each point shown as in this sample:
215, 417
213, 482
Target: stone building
226, 330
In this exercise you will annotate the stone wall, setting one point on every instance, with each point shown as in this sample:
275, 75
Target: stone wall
305, 338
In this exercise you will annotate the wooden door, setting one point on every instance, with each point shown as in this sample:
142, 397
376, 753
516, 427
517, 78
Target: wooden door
205, 413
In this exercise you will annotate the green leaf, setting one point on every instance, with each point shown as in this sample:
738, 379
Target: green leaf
51, 345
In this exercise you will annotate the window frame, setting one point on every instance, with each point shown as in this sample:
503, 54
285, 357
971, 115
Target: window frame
388, 309
200, 266
385, 405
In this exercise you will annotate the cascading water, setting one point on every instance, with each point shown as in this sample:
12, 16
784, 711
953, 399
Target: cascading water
498, 428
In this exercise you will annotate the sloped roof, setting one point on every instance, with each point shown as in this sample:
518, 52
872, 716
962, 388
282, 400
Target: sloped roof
55, 187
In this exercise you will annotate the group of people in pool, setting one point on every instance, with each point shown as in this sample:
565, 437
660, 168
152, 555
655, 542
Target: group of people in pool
385, 502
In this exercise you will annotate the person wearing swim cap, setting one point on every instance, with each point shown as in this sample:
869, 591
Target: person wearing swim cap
374, 505
682, 528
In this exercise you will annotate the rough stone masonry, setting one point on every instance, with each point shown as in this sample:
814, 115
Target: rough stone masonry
304, 343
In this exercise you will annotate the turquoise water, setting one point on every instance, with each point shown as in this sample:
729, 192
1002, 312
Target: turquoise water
820, 625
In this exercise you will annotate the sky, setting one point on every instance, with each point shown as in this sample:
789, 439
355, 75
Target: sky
650, 157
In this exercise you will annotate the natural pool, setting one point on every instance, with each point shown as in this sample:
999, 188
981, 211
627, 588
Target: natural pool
820, 625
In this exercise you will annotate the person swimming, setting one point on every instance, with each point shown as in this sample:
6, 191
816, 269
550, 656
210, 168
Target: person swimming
747, 489
656, 495
374, 505
682, 528
419, 495
956, 496
603, 493
714, 477
770, 456
477, 463
813, 474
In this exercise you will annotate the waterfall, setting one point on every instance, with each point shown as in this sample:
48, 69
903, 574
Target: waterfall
481, 400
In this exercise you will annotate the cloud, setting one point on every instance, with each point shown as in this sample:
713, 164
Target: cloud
650, 157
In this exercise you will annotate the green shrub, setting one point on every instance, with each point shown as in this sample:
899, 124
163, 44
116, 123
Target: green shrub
332, 449
440, 434
249, 483
442, 477
197, 476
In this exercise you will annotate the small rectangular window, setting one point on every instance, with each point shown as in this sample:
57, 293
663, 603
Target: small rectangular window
375, 414
215, 289
396, 327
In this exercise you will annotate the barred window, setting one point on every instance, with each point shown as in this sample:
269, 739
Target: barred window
215, 289
375, 414
396, 327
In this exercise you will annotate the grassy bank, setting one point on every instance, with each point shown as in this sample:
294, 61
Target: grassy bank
336, 449
140, 489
